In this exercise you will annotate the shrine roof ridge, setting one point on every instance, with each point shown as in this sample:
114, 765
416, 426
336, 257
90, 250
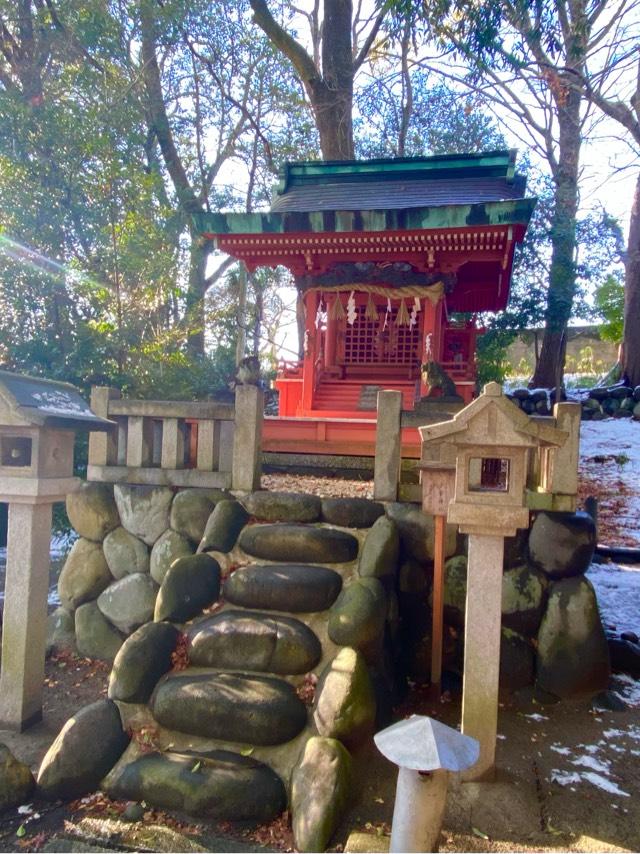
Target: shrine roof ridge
498, 163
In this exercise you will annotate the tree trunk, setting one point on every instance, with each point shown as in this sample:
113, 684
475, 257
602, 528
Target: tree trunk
631, 338
333, 103
332, 111
194, 303
562, 275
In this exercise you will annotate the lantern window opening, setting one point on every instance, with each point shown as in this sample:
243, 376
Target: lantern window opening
488, 474
15, 451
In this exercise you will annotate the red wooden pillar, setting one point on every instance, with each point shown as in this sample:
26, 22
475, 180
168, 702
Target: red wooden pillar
310, 351
330, 336
431, 334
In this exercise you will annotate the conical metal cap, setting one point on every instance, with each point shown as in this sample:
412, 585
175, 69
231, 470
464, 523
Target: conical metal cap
424, 744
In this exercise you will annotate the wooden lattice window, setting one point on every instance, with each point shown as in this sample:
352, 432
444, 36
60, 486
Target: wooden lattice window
366, 342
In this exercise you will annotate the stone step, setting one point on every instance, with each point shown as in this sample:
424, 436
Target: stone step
252, 640
298, 543
220, 784
297, 588
249, 709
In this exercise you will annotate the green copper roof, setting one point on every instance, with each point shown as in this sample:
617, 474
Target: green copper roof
510, 212
490, 164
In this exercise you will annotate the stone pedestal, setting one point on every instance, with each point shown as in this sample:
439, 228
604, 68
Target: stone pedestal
25, 615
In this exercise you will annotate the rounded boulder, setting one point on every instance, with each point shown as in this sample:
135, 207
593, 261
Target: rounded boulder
250, 709
252, 640
283, 587
351, 512
84, 576
168, 548
298, 543
345, 705
320, 787
572, 652
189, 513
562, 544
124, 553
223, 527
380, 550
358, 617
220, 785
144, 510
142, 659
283, 506
129, 603
92, 510
87, 748
95, 636
190, 584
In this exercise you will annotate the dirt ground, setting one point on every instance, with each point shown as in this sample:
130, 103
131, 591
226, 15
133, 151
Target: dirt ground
568, 776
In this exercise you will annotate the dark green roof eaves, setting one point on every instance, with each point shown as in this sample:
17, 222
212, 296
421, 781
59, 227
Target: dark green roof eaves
499, 163
511, 212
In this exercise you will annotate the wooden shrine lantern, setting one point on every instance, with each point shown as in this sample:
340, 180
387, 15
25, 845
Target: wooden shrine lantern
38, 420
485, 448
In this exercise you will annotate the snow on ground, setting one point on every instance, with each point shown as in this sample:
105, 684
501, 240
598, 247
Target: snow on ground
610, 460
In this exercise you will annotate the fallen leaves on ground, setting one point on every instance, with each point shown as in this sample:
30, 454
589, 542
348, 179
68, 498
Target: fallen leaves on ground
180, 656
277, 833
306, 690
599, 479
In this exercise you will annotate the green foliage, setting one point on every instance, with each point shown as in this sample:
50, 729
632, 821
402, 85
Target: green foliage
609, 302
493, 365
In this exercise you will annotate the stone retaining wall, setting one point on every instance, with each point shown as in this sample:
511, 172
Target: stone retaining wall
258, 642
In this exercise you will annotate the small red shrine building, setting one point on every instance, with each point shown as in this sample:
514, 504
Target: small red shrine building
393, 259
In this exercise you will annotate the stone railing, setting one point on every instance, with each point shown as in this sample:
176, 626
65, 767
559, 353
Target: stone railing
552, 478
178, 443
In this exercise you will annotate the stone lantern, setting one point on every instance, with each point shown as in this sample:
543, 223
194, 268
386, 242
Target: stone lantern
38, 420
488, 445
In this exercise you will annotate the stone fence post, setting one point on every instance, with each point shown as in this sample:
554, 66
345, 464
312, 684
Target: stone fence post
247, 440
386, 471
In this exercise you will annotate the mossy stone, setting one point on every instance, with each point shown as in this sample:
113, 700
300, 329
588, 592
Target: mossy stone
16, 780
168, 548
358, 617
380, 550
124, 553
84, 576
223, 785
283, 587
223, 527
283, 506
92, 510
572, 651
351, 512
141, 661
523, 599
190, 510
298, 543
345, 705
95, 636
252, 640
190, 584
320, 786
87, 747
252, 709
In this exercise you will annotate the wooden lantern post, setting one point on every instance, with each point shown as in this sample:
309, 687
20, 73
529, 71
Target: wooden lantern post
438, 481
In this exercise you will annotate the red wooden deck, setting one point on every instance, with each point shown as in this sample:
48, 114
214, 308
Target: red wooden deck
319, 434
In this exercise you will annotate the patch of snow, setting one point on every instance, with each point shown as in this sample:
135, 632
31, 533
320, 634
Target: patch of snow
618, 592
562, 750
619, 436
602, 766
627, 687
536, 717
25, 809
564, 778
604, 783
